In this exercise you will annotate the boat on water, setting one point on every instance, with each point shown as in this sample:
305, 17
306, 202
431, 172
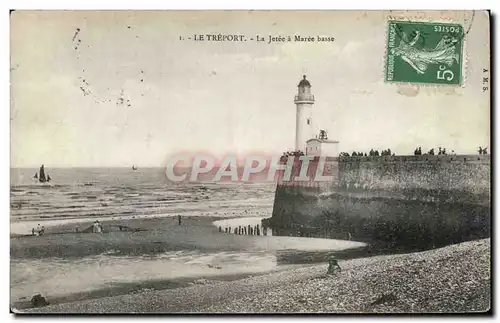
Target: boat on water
134, 167
41, 177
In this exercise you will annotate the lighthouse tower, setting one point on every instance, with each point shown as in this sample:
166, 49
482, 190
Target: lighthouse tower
304, 101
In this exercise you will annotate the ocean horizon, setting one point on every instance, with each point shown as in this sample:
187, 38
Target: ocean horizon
80, 193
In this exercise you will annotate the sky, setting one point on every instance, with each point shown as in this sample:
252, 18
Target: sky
116, 88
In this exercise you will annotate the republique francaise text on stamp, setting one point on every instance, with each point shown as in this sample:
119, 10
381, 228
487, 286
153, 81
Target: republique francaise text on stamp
423, 52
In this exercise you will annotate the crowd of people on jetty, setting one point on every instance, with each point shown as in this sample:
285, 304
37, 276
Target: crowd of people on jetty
416, 152
371, 153
442, 151
286, 154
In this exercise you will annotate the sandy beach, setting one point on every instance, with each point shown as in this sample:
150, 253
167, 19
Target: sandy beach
456, 278
153, 235
151, 253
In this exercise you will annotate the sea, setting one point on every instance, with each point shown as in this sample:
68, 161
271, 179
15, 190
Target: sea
79, 194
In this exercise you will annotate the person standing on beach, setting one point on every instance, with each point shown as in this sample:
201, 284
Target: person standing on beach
179, 219
98, 227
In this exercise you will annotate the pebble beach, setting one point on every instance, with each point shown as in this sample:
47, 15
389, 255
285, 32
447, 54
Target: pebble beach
455, 278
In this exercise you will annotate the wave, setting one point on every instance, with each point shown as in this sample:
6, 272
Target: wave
38, 186
32, 202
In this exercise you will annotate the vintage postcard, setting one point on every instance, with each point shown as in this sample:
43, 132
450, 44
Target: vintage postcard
250, 162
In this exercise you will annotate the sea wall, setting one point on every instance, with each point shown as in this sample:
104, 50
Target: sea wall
406, 202
470, 174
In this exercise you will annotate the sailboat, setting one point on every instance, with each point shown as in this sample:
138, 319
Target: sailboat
134, 167
41, 175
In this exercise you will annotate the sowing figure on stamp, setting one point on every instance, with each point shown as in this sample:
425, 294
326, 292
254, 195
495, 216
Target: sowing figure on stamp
419, 59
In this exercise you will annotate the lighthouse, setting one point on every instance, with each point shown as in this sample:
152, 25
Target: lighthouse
304, 101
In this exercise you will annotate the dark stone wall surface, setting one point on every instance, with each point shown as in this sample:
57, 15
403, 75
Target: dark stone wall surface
395, 202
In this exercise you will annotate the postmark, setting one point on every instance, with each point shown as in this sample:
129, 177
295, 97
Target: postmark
424, 53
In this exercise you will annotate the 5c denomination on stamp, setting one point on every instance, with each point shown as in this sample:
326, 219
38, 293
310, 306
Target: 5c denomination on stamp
424, 52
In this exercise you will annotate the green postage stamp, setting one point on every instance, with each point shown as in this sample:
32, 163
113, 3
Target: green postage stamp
424, 52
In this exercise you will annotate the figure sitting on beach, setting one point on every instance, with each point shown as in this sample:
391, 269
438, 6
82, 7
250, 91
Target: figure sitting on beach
39, 301
333, 266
